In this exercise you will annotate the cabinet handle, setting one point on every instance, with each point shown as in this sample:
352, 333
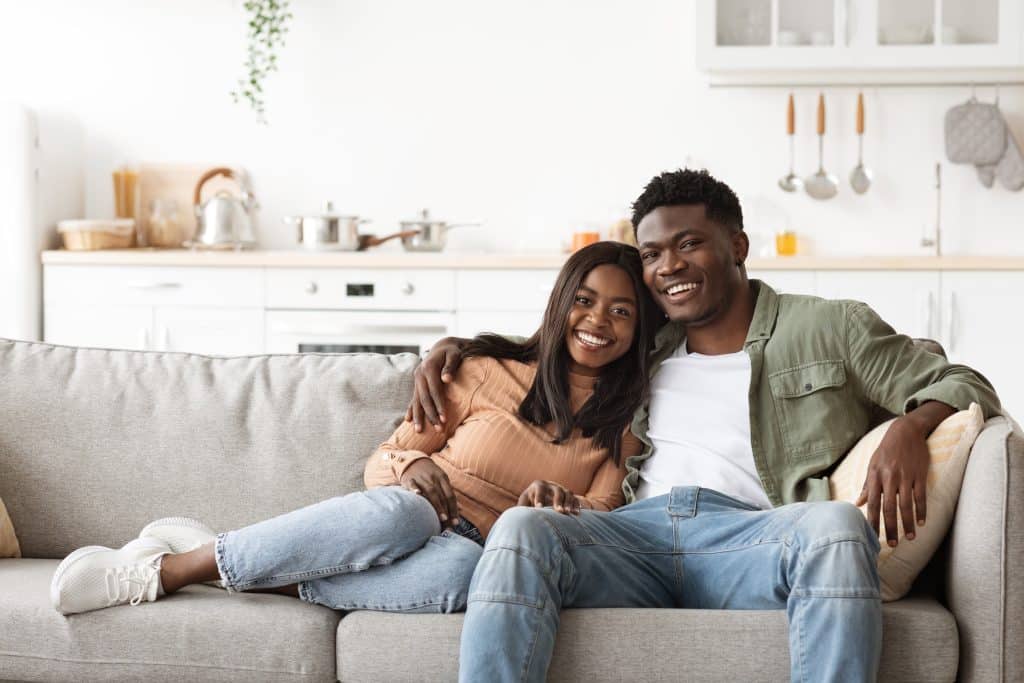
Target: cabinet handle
312, 288
407, 288
165, 339
144, 338
952, 322
154, 285
929, 316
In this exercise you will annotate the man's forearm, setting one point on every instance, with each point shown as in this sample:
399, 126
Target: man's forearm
927, 416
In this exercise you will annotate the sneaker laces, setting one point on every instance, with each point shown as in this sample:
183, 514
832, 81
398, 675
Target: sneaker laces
133, 583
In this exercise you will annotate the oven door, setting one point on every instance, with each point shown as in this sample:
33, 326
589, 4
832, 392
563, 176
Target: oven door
356, 331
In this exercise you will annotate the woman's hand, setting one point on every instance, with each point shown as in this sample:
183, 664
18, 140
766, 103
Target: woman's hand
543, 493
425, 478
436, 370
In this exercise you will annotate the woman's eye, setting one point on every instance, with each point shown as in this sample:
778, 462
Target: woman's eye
582, 300
624, 312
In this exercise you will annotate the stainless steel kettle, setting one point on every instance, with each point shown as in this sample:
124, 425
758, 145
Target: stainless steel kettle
224, 221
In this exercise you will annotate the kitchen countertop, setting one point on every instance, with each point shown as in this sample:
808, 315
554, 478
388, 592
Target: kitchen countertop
493, 260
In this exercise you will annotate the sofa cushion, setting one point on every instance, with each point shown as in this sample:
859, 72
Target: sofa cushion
96, 444
201, 633
949, 446
646, 645
8, 540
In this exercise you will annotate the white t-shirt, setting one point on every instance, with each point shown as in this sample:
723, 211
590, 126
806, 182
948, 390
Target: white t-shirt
700, 427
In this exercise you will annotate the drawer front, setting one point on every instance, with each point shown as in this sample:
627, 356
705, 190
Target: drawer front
505, 290
154, 286
383, 290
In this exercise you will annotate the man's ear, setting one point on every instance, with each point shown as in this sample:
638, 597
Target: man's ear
740, 247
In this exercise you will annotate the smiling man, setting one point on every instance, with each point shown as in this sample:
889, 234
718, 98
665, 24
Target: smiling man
754, 397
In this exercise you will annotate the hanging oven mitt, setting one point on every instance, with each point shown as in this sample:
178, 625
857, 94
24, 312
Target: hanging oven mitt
975, 133
987, 174
1010, 169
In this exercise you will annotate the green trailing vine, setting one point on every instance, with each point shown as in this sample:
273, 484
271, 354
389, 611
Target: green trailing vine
268, 24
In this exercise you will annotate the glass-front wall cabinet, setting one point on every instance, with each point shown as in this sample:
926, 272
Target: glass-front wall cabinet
751, 35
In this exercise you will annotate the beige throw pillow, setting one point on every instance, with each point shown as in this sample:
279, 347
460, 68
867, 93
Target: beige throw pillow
949, 446
8, 541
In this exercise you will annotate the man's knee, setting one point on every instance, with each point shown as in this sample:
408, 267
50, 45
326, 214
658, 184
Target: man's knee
836, 521
523, 527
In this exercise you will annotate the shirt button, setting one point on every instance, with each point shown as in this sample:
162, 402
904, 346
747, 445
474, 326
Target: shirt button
807, 387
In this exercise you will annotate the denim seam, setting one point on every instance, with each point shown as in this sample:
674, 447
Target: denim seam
508, 599
227, 577
294, 577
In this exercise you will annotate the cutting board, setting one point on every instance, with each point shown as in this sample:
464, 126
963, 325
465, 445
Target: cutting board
178, 182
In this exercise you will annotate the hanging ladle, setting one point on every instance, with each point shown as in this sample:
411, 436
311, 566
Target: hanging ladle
821, 185
791, 182
860, 177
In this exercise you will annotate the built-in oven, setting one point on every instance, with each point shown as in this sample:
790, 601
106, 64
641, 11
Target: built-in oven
347, 311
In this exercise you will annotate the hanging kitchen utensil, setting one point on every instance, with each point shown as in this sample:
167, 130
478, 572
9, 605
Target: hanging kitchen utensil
860, 177
975, 133
427, 234
821, 185
1010, 169
223, 221
790, 182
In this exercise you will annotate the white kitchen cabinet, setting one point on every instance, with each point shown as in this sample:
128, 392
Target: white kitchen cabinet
981, 326
104, 326
518, 323
788, 281
212, 331
907, 300
505, 301
818, 35
200, 310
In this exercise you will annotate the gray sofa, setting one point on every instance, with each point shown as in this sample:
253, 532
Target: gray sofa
94, 444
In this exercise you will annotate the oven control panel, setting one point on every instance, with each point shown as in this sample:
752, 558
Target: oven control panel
360, 290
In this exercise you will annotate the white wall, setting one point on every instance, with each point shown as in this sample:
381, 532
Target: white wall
536, 116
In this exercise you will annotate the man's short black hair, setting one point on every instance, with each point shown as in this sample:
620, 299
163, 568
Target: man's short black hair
687, 186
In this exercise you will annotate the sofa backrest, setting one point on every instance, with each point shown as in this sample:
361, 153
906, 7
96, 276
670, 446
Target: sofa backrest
94, 444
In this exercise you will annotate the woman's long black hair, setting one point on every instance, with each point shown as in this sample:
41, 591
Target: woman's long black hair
622, 384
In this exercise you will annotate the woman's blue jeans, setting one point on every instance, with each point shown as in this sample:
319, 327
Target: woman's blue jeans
693, 548
375, 550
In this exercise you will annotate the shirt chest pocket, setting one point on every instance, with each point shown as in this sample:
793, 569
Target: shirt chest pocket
809, 400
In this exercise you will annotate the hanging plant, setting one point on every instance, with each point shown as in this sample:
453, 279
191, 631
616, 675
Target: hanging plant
268, 24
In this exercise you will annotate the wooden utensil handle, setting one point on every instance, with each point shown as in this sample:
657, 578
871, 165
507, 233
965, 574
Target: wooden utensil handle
860, 113
790, 117
220, 170
821, 114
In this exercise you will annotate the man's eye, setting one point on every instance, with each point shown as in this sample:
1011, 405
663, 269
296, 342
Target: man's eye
688, 244
647, 256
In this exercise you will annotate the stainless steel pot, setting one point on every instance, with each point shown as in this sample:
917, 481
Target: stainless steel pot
426, 234
328, 230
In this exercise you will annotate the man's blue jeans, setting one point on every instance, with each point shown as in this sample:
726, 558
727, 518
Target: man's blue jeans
692, 548
377, 550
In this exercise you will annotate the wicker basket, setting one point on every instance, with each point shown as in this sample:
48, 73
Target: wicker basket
90, 235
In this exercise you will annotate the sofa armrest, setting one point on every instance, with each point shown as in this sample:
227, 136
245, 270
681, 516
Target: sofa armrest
984, 577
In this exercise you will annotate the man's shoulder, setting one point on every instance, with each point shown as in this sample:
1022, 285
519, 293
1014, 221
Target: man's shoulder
806, 304
806, 317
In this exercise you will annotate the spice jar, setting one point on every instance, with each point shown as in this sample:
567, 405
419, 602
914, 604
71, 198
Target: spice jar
164, 224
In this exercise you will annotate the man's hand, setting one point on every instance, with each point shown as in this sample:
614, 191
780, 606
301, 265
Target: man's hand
899, 472
542, 493
436, 370
425, 478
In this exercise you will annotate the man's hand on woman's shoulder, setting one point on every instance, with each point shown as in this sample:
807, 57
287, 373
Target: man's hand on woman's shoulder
436, 370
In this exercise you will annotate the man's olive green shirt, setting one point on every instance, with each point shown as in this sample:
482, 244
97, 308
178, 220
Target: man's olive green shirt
818, 370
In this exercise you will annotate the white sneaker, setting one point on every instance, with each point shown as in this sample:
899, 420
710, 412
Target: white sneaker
181, 534
95, 577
